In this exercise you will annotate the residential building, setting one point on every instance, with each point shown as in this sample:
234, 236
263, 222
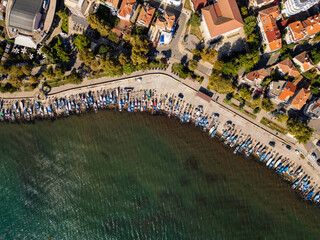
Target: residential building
112, 4
287, 92
293, 7
300, 30
29, 21
303, 61
300, 98
197, 5
270, 32
127, 9
312, 25
145, 16
161, 30
81, 8
256, 4
220, 19
255, 78
287, 68
165, 22
276, 87
313, 109
175, 3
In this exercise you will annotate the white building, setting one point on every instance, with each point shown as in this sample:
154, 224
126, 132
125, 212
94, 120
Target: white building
175, 3
293, 7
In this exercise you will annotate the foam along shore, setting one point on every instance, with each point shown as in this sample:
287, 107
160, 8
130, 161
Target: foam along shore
148, 100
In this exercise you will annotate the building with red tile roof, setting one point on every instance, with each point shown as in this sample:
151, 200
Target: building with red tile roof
270, 32
255, 78
300, 99
145, 16
127, 9
165, 21
112, 4
256, 4
301, 30
303, 61
287, 92
197, 5
220, 19
286, 67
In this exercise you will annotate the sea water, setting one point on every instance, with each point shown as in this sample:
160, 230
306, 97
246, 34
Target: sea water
128, 176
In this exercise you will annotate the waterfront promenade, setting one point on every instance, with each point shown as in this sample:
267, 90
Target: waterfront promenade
165, 82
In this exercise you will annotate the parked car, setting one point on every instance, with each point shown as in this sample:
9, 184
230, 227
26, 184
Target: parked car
272, 143
288, 147
216, 115
318, 143
314, 156
297, 151
180, 95
318, 161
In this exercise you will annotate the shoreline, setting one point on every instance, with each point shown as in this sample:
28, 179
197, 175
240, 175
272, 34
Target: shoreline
131, 99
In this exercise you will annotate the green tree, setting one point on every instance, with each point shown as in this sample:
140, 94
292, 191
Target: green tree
220, 83
193, 64
101, 25
59, 72
86, 57
282, 118
26, 69
16, 72
250, 24
195, 19
81, 41
315, 55
74, 78
300, 131
218, 65
244, 11
267, 105
196, 53
128, 68
209, 55
123, 59
15, 81
245, 93
256, 103
48, 73
34, 79
103, 49
182, 71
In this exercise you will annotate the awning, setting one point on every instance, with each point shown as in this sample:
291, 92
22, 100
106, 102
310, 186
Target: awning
25, 41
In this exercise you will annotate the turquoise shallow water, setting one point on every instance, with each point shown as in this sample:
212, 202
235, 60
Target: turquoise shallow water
133, 176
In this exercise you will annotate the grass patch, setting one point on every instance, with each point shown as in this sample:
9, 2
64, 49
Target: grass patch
273, 125
187, 5
28, 87
55, 83
249, 114
196, 31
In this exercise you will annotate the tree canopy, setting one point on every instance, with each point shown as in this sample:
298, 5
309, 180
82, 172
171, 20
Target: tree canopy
300, 131
195, 19
55, 51
193, 64
282, 118
245, 93
250, 24
209, 55
247, 60
267, 105
220, 83
81, 41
